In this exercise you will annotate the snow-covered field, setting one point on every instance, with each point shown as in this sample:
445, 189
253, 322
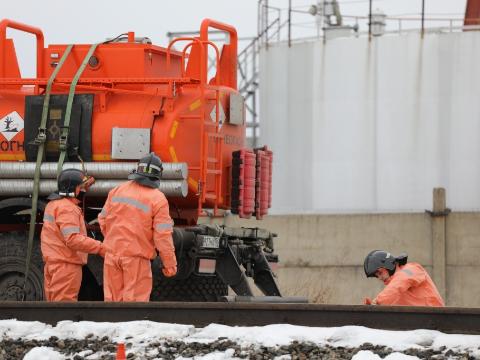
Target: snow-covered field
151, 340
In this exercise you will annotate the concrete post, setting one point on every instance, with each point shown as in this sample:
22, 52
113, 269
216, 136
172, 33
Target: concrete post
439, 217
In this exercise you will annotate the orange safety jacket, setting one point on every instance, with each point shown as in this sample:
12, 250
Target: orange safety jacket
64, 234
135, 221
410, 285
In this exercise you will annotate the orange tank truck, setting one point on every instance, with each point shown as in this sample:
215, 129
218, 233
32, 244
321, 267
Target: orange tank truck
100, 107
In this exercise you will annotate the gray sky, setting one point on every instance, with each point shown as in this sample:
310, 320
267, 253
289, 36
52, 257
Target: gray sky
87, 21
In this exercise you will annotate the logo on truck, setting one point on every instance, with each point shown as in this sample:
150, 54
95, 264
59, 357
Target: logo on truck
11, 125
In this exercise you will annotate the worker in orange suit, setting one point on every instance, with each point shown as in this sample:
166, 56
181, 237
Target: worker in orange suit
64, 242
405, 283
136, 223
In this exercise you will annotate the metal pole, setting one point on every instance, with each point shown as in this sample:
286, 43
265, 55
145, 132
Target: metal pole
289, 23
259, 17
318, 17
266, 24
439, 240
423, 17
279, 25
370, 21
255, 120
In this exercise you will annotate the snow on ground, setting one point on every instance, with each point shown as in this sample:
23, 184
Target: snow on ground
142, 333
368, 355
43, 353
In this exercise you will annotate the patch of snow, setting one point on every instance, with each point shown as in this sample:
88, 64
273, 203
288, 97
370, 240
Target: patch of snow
368, 355
21, 329
353, 336
118, 332
269, 335
43, 353
217, 355
97, 355
400, 356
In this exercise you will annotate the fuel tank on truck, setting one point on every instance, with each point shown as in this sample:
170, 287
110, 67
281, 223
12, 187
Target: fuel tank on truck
131, 98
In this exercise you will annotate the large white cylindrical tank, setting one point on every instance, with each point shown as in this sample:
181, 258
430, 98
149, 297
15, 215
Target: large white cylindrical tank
373, 126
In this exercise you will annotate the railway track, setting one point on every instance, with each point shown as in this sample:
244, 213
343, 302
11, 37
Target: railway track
449, 320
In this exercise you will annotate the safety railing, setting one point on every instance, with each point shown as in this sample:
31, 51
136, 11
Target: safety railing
4, 25
306, 22
228, 66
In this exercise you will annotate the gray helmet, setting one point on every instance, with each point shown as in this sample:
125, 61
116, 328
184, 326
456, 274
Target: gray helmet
68, 180
381, 259
149, 171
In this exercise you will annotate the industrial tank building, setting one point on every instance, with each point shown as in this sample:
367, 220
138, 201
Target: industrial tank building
359, 125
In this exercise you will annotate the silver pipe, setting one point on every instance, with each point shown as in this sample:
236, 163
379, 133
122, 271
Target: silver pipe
24, 187
99, 170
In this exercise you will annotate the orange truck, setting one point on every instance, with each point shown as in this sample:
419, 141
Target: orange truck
100, 107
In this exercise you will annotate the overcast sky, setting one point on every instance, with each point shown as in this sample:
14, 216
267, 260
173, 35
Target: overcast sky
87, 21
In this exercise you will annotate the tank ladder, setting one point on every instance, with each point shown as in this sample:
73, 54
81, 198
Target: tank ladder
211, 159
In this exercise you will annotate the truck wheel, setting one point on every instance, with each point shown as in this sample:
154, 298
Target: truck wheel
13, 251
194, 288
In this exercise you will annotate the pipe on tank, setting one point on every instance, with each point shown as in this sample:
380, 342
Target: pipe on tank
99, 170
24, 187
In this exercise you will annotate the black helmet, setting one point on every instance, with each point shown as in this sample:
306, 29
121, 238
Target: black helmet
149, 171
68, 180
381, 259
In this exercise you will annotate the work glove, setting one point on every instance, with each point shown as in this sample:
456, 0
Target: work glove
169, 271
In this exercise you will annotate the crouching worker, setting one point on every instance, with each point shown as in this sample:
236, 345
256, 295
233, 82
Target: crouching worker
136, 223
64, 242
405, 283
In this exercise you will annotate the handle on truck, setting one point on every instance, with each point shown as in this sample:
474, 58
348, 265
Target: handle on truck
6, 23
228, 60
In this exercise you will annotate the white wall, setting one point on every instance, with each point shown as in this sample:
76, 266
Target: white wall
359, 126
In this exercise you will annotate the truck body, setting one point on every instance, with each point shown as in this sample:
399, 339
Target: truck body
124, 98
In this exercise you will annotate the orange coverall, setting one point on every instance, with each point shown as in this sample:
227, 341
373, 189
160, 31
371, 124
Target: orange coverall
135, 221
65, 247
410, 285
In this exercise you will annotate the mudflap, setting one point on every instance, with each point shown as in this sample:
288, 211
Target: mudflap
228, 269
262, 275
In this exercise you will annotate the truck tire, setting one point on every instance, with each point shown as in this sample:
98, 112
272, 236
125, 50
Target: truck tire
13, 252
194, 288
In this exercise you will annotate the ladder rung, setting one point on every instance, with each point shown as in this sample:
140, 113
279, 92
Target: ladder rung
212, 160
188, 116
211, 171
215, 135
211, 196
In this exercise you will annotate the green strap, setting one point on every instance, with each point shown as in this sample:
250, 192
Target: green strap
63, 140
40, 141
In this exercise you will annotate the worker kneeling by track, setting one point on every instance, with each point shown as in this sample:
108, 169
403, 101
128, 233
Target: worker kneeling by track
405, 283
134, 221
64, 242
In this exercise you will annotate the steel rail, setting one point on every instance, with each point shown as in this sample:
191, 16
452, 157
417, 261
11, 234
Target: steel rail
448, 320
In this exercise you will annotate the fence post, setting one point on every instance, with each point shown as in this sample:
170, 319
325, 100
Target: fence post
439, 243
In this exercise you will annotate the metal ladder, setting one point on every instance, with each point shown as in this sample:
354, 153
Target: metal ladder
211, 158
